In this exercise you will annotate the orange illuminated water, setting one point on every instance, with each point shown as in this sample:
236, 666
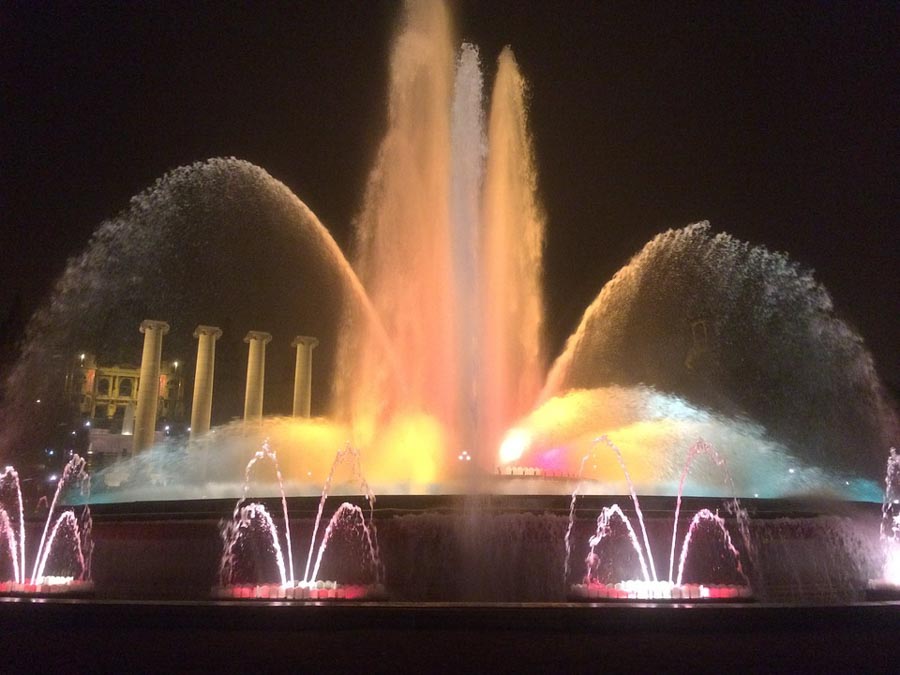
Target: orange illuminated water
448, 247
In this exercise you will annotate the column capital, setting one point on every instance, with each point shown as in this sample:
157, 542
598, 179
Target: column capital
213, 331
150, 324
310, 342
258, 335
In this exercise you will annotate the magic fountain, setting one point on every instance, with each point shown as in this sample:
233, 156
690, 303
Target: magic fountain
432, 338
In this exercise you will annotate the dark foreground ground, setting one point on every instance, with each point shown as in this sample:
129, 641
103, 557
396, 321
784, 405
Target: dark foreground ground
128, 636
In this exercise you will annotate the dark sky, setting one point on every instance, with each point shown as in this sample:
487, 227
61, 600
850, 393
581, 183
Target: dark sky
776, 121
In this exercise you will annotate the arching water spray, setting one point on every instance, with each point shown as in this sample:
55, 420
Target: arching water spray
74, 474
353, 517
701, 447
66, 521
705, 516
351, 455
243, 514
634, 498
604, 530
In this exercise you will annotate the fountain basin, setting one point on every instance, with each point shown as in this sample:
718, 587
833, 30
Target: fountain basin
882, 589
52, 585
319, 590
638, 589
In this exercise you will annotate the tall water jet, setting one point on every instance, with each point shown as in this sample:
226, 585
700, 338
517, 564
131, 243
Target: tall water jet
403, 241
469, 148
449, 247
512, 296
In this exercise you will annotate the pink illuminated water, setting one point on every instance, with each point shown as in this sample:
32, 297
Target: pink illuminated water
267, 453
705, 516
634, 498
347, 455
604, 530
704, 519
247, 516
8, 534
65, 533
701, 447
351, 517
13, 526
253, 519
67, 523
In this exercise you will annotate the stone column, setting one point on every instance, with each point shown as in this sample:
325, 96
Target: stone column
303, 374
148, 388
256, 374
201, 406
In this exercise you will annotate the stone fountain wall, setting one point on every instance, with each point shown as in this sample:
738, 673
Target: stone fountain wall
472, 554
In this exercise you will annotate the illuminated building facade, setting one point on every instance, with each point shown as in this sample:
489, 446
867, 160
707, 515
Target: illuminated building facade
107, 395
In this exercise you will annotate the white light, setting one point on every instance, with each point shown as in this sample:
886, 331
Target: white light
756, 494
82, 357
514, 445
37, 400
88, 423
188, 428
52, 478
175, 364
791, 470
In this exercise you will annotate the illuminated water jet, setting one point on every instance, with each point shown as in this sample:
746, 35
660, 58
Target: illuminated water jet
889, 583
252, 549
607, 574
66, 541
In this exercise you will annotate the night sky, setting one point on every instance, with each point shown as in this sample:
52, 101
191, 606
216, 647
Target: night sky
775, 121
